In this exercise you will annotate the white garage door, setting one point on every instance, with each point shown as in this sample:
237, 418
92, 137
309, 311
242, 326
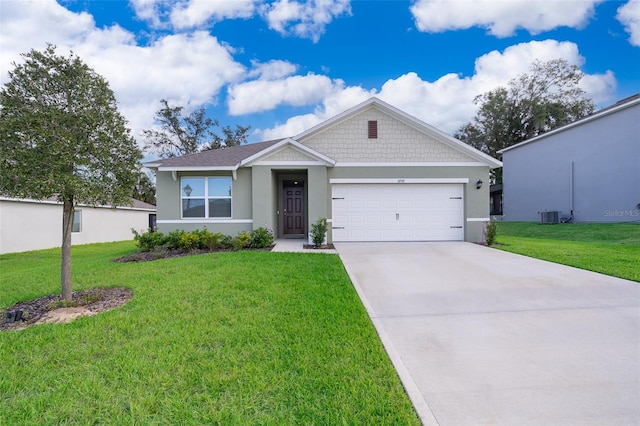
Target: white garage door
397, 212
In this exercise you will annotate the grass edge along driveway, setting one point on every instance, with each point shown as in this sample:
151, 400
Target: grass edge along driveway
608, 248
225, 338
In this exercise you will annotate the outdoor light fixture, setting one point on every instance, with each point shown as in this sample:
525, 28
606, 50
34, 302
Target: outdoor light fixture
187, 190
479, 184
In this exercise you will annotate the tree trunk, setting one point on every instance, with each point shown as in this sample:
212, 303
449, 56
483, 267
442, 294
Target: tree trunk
67, 227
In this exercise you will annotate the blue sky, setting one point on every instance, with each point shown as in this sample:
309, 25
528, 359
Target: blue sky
283, 66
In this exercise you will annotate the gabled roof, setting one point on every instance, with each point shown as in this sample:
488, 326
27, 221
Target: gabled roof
245, 155
618, 106
283, 144
215, 159
407, 119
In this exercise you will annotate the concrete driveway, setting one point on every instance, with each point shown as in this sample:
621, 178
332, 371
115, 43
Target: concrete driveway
484, 337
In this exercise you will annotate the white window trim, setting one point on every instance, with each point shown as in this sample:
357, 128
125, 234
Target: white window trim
206, 199
202, 220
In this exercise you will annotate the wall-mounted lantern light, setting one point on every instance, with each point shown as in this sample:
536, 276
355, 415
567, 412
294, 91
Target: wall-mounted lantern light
479, 184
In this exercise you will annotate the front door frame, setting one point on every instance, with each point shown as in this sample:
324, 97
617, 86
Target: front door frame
283, 180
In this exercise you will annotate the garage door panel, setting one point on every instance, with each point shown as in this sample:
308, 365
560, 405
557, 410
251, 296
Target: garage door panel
389, 219
397, 212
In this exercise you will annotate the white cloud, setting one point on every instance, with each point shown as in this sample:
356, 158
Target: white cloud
151, 11
600, 87
195, 13
188, 69
306, 19
190, 14
272, 70
339, 100
263, 95
23, 28
447, 103
629, 16
501, 18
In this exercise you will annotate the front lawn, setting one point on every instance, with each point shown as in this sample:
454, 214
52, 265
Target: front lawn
225, 338
612, 249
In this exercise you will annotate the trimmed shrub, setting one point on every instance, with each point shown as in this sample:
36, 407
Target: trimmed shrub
147, 241
490, 231
189, 241
318, 231
201, 239
240, 241
203, 236
226, 242
214, 241
261, 238
173, 239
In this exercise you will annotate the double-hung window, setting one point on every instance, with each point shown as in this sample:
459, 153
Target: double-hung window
208, 197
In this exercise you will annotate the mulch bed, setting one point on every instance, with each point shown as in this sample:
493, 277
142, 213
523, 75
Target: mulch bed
322, 247
95, 300
147, 256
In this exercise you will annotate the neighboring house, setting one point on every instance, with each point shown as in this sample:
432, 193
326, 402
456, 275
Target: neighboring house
587, 171
32, 225
495, 200
375, 172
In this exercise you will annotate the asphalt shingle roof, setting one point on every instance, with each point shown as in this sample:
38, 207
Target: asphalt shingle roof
216, 157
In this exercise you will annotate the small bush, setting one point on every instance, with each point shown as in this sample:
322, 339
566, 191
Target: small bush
158, 245
214, 241
318, 231
240, 241
261, 238
226, 242
189, 241
490, 231
147, 241
203, 236
173, 238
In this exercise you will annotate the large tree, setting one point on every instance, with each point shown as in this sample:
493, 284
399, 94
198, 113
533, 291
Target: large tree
546, 97
144, 188
180, 134
61, 135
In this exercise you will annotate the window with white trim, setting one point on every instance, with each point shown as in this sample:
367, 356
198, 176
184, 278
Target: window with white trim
208, 197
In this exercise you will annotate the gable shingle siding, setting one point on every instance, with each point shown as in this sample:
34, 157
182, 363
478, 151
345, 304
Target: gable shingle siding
396, 142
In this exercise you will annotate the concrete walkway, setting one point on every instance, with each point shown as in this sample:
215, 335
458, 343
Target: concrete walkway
484, 337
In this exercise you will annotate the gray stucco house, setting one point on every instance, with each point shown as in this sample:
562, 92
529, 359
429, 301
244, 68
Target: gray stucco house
587, 171
375, 172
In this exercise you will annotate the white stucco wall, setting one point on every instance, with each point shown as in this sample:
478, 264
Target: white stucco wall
32, 225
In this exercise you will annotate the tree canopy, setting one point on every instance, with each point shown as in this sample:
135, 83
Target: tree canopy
547, 97
61, 135
144, 188
180, 134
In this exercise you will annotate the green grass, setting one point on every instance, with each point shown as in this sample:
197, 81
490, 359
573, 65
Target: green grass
611, 249
226, 338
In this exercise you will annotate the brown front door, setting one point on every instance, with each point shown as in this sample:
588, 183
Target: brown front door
293, 209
